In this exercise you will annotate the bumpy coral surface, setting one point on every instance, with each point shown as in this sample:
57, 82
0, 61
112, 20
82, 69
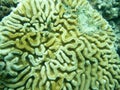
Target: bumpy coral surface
57, 45
110, 9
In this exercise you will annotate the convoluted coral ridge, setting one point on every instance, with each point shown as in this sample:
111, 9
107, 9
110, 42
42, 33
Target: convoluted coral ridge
57, 45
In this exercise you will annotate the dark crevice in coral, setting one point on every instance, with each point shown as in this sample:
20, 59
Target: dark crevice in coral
118, 51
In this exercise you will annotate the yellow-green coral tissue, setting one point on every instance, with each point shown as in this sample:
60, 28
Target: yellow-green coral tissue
57, 45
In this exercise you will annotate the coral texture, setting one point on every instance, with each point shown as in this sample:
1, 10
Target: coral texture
111, 12
57, 45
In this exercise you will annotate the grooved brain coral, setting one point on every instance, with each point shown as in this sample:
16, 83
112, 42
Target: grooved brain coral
57, 45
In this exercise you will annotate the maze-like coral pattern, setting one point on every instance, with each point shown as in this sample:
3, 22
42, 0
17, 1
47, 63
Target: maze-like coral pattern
57, 45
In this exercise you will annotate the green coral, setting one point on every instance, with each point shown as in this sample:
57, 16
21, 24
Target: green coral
110, 10
57, 45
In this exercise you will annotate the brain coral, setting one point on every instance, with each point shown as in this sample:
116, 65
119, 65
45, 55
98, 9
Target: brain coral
57, 45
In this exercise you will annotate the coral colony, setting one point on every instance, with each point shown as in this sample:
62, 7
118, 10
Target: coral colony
57, 45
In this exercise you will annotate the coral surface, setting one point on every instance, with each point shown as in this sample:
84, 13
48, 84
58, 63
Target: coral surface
110, 10
57, 45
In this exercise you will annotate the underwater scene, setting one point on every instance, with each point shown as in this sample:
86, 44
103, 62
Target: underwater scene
59, 44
